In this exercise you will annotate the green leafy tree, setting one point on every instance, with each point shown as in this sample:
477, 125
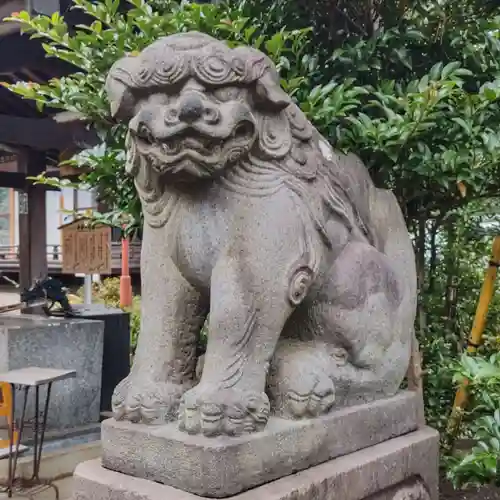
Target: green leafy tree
426, 128
114, 33
410, 86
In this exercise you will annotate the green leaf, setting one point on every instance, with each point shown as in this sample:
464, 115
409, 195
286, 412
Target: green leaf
465, 126
435, 73
39, 105
275, 45
449, 69
495, 443
423, 83
496, 416
490, 93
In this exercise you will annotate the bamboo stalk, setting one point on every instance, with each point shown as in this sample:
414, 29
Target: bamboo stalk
475, 337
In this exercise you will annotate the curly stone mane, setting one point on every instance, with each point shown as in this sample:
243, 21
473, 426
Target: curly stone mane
286, 143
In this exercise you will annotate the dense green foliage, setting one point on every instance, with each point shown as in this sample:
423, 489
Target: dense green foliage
479, 466
425, 128
413, 87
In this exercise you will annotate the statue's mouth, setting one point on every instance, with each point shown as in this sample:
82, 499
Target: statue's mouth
194, 144
199, 147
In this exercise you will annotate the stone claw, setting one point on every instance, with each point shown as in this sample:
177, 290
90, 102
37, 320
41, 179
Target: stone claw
300, 381
313, 403
224, 412
148, 403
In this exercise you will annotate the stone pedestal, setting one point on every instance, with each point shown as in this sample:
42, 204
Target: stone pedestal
72, 344
350, 454
403, 468
224, 466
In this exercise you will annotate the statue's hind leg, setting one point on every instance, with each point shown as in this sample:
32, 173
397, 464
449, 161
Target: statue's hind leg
350, 338
309, 378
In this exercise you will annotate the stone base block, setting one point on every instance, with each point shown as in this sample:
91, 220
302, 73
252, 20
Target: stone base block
403, 468
224, 466
68, 344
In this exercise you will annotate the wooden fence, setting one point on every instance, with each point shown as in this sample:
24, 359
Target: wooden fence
9, 258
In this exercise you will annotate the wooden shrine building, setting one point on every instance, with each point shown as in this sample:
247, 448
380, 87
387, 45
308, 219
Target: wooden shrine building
32, 140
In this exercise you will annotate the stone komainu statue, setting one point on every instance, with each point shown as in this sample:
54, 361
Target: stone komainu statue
306, 269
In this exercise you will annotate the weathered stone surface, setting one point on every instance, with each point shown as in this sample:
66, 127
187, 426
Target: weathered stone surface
306, 268
28, 340
411, 489
384, 470
225, 466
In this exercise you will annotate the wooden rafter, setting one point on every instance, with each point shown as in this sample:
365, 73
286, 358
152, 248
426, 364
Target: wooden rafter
43, 134
17, 180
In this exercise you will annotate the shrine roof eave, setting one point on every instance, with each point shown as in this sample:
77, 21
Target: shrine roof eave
22, 126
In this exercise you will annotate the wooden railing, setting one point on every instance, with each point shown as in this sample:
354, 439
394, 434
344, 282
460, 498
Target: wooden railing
9, 258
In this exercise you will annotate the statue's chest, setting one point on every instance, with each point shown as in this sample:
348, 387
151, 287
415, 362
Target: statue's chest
207, 231
199, 237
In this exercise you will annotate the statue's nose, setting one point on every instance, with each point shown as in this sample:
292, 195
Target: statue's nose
191, 108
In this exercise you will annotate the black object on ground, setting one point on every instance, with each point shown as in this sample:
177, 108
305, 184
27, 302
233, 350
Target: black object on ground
116, 350
52, 292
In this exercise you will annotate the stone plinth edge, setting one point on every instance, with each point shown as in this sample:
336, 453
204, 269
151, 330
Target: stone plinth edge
381, 472
225, 466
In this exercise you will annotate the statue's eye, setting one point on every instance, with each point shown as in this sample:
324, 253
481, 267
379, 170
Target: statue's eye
226, 94
145, 134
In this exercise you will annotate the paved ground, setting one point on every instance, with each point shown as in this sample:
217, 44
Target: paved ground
65, 491
446, 493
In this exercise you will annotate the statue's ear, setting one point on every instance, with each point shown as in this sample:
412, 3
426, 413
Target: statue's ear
117, 87
275, 139
269, 93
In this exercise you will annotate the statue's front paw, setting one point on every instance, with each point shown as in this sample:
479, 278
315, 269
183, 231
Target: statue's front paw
144, 401
231, 412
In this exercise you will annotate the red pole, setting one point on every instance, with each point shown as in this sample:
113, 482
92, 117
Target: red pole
125, 281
